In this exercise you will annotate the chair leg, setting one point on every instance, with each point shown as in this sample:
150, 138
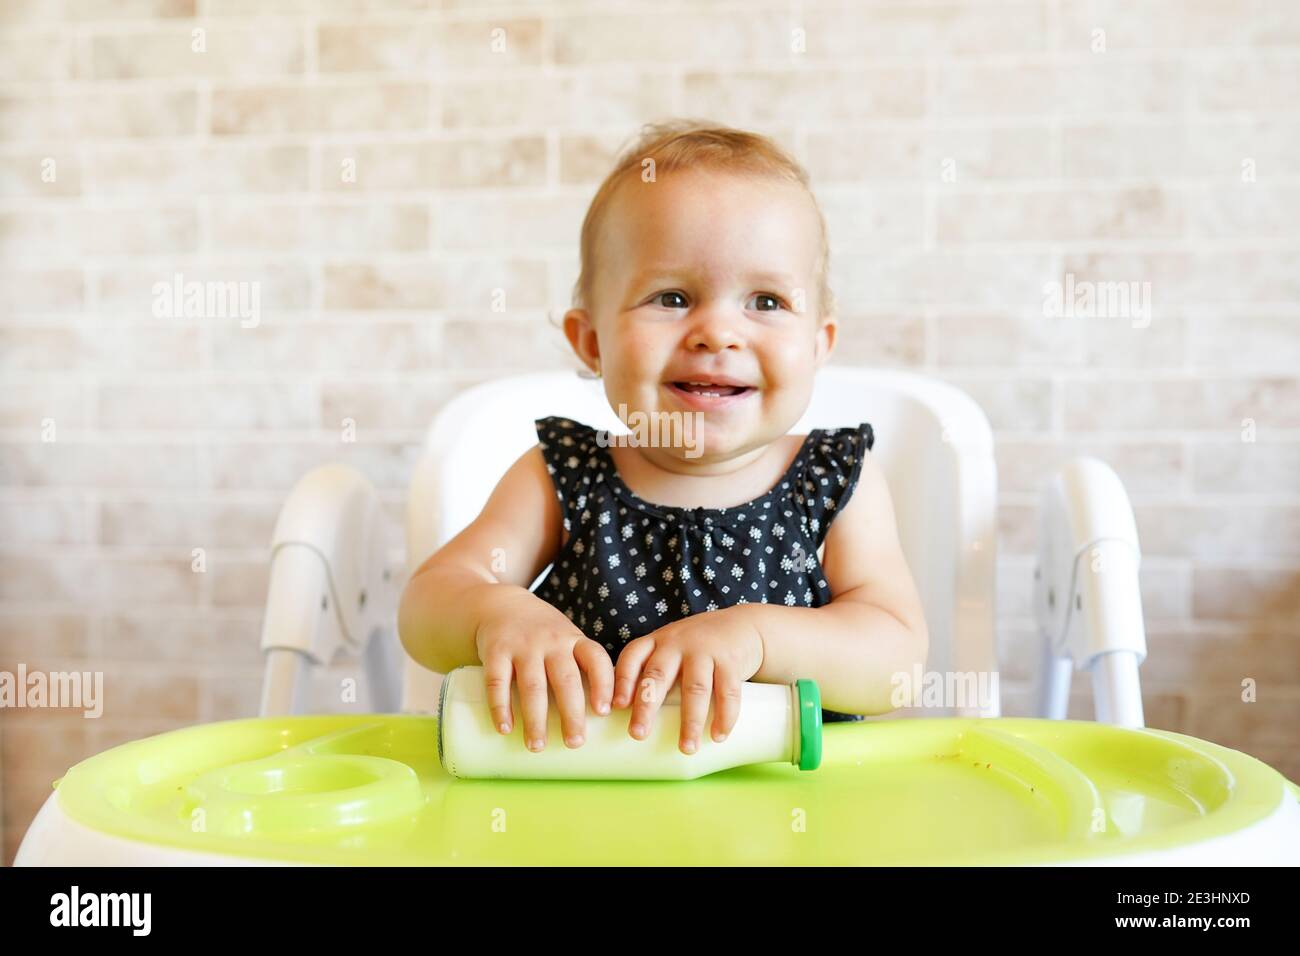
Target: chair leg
286, 681
1116, 694
1087, 598
1053, 684
383, 665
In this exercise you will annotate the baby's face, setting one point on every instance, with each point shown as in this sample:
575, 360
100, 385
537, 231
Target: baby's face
708, 277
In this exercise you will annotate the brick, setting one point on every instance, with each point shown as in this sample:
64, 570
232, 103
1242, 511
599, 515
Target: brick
1131, 404
197, 171
91, 115
444, 285
219, 51
427, 165
1246, 594
332, 107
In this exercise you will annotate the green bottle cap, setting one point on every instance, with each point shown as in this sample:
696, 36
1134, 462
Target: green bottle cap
810, 724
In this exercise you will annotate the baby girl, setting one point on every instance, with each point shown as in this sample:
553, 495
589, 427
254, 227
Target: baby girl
754, 554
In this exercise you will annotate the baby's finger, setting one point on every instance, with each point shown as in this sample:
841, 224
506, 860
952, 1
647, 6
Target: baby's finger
655, 682
497, 672
595, 663
562, 671
628, 669
530, 672
697, 689
726, 702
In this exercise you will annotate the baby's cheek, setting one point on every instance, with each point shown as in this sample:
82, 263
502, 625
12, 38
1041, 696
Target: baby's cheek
794, 353
792, 375
643, 352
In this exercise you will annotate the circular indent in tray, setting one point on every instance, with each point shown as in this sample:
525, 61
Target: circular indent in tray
304, 793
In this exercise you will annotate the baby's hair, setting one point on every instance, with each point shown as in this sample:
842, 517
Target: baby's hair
697, 144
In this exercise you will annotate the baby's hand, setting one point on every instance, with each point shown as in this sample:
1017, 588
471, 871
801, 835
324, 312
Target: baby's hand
713, 653
528, 639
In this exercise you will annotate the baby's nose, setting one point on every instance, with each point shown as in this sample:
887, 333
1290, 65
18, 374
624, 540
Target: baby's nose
715, 330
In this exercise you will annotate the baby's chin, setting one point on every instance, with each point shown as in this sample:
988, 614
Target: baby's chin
690, 427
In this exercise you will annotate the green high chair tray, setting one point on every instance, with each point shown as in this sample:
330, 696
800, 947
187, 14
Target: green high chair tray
369, 790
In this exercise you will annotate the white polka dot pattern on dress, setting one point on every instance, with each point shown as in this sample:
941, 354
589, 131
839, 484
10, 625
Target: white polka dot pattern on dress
637, 565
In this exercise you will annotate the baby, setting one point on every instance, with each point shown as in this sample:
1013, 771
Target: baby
753, 554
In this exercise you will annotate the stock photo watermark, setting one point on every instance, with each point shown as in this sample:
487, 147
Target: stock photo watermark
942, 689
77, 908
657, 430
208, 299
1085, 299
54, 690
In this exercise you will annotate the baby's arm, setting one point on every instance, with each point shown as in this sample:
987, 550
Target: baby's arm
874, 626
444, 601
469, 604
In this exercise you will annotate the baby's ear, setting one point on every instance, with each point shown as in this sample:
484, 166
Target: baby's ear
581, 333
827, 335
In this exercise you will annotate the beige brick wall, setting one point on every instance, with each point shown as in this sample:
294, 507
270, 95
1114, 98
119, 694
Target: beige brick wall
377, 168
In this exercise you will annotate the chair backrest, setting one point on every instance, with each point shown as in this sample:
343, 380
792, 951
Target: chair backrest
932, 441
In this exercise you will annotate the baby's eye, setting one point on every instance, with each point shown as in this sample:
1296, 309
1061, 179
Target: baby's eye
771, 302
677, 295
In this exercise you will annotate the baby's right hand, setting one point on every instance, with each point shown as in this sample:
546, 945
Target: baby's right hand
524, 638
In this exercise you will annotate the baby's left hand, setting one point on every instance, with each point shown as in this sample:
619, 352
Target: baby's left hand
713, 653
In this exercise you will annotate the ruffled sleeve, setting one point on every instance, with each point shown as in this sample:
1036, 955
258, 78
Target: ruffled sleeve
830, 474
568, 447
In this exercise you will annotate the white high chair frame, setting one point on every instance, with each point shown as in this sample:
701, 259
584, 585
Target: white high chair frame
933, 443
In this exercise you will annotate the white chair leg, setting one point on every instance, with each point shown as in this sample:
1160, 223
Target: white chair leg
383, 664
327, 578
1053, 691
1087, 599
1117, 696
286, 681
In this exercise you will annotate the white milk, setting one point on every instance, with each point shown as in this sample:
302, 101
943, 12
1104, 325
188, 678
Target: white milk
768, 729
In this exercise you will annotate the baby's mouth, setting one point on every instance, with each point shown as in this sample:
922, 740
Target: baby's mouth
711, 390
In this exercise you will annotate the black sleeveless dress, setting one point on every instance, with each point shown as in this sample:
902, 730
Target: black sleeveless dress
630, 566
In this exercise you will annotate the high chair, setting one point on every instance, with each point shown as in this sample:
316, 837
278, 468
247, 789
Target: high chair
933, 443
369, 787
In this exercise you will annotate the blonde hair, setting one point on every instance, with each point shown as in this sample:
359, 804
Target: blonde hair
697, 144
